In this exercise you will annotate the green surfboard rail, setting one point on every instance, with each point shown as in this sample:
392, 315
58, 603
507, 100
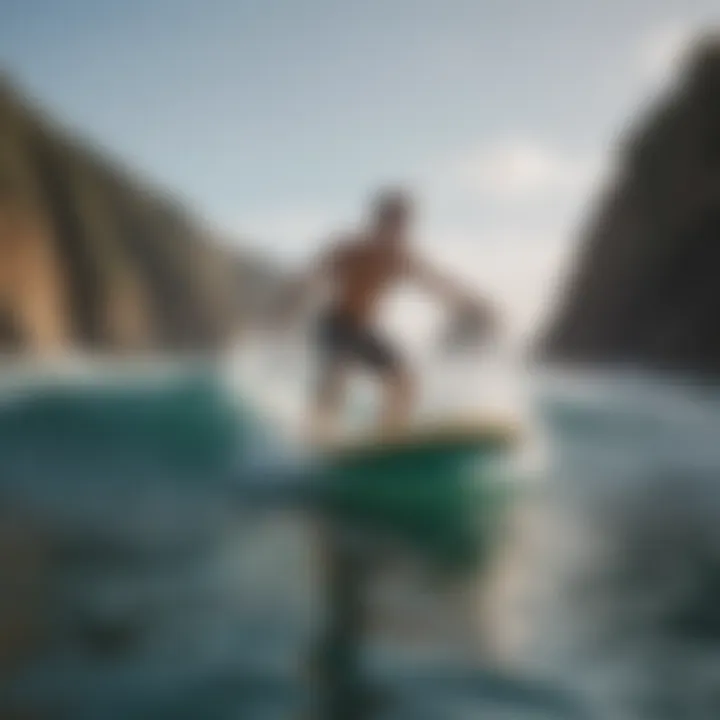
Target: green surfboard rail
443, 494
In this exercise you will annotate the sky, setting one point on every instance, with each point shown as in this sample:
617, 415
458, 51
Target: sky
276, 119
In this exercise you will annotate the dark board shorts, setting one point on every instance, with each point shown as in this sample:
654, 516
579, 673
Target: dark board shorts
341, 339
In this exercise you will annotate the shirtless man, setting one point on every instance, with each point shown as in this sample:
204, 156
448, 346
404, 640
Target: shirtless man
360, 270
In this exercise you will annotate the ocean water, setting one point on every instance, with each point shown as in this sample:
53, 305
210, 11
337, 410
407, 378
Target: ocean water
170, 599
627, 608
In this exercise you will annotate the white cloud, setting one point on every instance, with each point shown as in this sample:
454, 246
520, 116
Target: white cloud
517, 170
516, 256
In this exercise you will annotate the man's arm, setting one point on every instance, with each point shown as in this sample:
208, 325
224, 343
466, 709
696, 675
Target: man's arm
443, 286
469, 304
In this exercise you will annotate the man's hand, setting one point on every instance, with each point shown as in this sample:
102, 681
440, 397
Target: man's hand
486, 317
474, 323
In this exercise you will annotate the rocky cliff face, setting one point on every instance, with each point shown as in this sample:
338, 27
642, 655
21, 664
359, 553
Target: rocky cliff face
646, 288
90, 257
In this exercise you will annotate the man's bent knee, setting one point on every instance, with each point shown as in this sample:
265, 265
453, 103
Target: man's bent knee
399, 378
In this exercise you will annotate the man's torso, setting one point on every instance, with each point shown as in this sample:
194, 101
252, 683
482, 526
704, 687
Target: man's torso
362, 272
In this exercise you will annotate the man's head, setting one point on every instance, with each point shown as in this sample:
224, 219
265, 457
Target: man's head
391, 215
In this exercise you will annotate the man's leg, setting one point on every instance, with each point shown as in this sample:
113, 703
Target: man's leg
398, 400
398, 388
328, 402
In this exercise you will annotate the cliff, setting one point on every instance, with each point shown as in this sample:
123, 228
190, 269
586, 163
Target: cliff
91, 257
645, 290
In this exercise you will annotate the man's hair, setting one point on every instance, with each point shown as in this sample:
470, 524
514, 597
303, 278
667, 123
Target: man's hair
391, 203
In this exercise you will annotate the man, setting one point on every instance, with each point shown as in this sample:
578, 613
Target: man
359, 270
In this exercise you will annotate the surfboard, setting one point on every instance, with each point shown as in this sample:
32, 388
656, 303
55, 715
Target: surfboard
438, 488
417, 449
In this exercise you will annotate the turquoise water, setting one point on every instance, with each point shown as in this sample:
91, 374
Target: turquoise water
164, 592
